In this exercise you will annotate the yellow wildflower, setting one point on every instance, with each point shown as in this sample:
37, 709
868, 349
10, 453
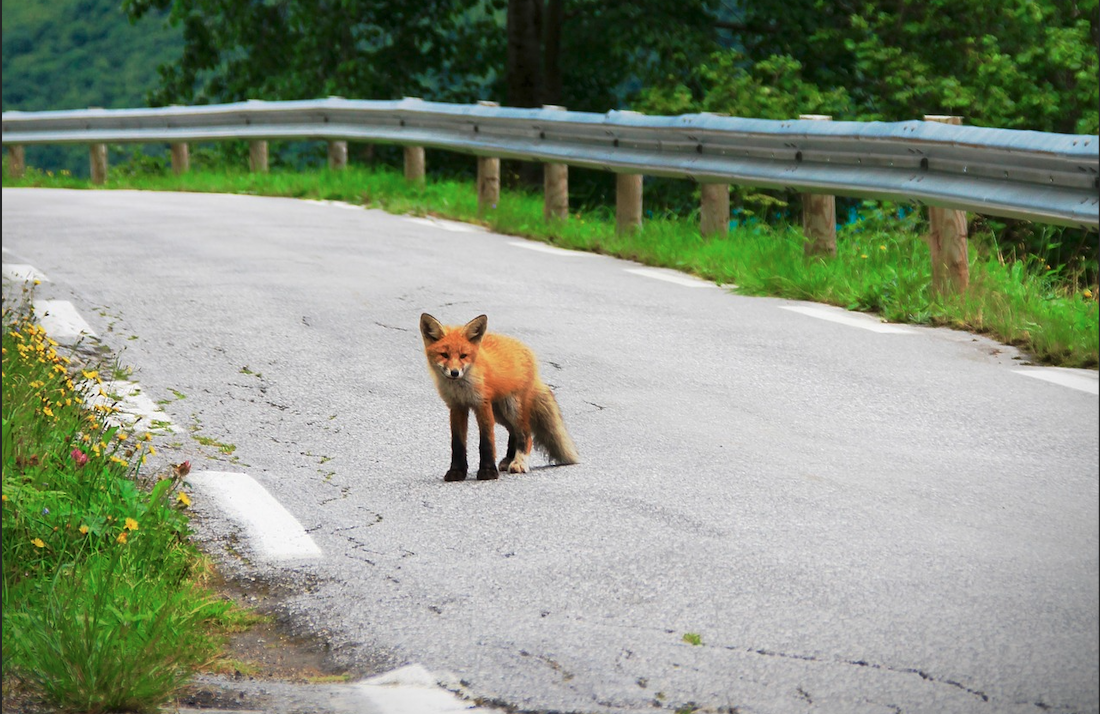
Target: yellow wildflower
83, 530
131, 524
38, 543
184, 499
122, 436
122, 537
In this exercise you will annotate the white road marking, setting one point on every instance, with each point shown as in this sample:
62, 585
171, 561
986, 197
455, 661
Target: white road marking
671, 276
1080, 379
454, 226
337, 204
21, 273
413, 690
552, 250
272, 531
136, 411
61, 320
846, 317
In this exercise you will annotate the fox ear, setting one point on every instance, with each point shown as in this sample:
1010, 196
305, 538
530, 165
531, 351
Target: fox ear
430, 329
475, 328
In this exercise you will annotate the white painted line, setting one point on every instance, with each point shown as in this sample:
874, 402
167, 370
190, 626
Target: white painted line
61, 320
846, 317
337, 204
453, 226
552, 250
413, 690
1081, 379
671, 276
136, 411
273, 533
21, 273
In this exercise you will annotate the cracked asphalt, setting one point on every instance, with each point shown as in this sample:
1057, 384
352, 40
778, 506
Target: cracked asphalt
773, 513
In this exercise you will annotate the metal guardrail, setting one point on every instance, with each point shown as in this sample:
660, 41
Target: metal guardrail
1050, 178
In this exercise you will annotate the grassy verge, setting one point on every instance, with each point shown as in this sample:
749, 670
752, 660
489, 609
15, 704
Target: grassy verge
883, 265
104, 604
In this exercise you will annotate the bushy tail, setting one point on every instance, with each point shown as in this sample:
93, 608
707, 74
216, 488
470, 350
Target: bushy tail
549, 430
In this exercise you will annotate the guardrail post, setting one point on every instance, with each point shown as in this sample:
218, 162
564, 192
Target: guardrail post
555, 185
488, 177
628, 203
338, 155
181, 158
17, 161
714, 209
947, 236
98, 154
257, 156
414, 164
818, 213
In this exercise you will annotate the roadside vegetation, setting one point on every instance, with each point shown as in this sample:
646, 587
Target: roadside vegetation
105, 601
1045, 305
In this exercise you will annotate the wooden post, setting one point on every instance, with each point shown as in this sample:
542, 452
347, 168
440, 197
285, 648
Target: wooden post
98, 154
181, 158
555, 185
818, 213
947, 236
337, 155
714, 209
414, 164
488, 184
628, 203
257, 156
488, 177
17, 161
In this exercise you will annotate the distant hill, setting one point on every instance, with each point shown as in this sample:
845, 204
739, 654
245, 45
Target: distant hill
73, 54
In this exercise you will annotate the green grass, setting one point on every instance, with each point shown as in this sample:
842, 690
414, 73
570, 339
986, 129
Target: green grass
882, 266
103, 600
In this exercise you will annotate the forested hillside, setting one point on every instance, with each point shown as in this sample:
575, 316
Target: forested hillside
72, 54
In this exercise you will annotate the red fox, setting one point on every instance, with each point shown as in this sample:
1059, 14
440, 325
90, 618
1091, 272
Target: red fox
498, 378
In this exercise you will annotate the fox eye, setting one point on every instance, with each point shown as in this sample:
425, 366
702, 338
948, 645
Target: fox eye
462, 356
445, 355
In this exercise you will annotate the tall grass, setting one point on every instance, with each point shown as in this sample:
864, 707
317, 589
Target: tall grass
102, 607
882, 265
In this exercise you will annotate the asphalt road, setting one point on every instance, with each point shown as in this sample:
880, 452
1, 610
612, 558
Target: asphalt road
844, 520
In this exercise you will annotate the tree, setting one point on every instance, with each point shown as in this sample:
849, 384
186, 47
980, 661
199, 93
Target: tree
1021, 64
586, 54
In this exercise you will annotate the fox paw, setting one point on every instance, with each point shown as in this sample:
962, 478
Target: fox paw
487, 473
455, 475
518, 466
504, 464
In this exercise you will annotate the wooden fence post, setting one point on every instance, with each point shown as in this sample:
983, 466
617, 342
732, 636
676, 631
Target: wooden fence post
337, 155
257, 156
181, 158
818, 213
714, 209
17, 161
414, 164
488, 177
628, 203
947, 236
98, 155
555, 185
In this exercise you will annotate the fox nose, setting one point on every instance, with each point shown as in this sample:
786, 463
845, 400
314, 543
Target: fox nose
454, 373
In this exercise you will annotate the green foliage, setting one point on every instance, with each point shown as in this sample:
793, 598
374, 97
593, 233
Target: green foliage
101, 609
73, 54
1018, 64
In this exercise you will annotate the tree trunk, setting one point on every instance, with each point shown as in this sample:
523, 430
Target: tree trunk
555, 14
525, 53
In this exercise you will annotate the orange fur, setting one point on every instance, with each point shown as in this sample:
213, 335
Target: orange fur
497, 377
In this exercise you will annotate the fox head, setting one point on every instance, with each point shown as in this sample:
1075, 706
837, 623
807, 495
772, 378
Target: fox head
451, 350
